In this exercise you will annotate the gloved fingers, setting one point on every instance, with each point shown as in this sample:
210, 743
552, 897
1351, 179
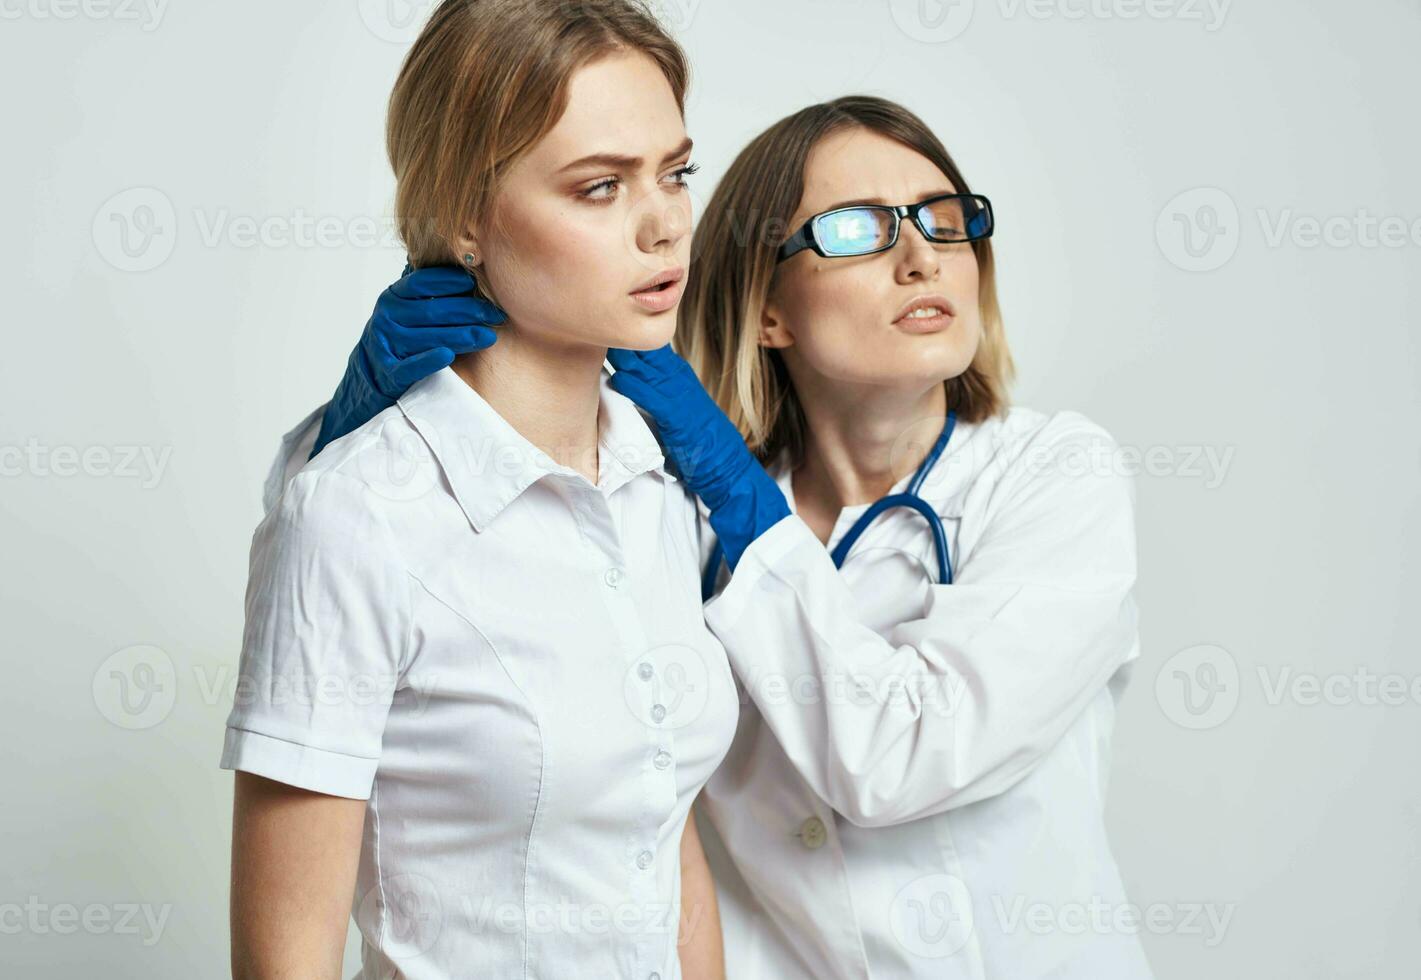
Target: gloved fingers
658, 364
638, 391
395, 339
461, 339
636, 364
624, 360
432, 281
421, 365
664, 359
481, 310
380, 361
375, 342
440, 311
661, 367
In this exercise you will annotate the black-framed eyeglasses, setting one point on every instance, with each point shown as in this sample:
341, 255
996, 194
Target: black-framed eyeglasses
868, 228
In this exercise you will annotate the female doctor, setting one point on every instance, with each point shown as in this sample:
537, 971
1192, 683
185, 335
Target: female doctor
916, 785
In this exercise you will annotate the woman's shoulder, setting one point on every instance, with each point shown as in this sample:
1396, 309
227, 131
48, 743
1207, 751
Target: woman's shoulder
1024, 424
1023, 434
352, 484
1062, 450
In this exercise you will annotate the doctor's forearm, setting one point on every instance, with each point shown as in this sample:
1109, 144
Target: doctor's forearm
944, 711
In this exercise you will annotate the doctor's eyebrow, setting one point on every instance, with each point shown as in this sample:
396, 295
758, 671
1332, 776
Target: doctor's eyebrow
856, 202
615, 161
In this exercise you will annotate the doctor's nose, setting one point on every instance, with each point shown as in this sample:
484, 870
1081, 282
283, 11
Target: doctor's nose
915, 258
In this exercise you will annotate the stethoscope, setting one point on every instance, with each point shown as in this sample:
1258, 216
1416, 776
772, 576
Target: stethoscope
908, 498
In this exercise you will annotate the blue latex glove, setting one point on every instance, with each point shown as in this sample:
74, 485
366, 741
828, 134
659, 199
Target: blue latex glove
709, 453
420, 324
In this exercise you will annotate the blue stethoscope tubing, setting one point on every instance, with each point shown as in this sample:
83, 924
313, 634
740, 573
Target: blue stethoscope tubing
908, 498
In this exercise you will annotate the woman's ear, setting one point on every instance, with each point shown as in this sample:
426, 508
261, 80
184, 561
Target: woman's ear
773, 330
471, 259
470, 255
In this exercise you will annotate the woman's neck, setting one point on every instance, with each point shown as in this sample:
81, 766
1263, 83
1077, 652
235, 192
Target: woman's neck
859, 444
549, 393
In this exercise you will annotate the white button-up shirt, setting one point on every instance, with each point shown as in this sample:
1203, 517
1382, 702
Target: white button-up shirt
916, 785
510, 664
949, 823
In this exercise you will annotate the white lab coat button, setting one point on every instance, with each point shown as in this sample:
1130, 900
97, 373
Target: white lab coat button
654, 976
643, 670
662, 759
643, 860
613, 577
658, 713
812, 833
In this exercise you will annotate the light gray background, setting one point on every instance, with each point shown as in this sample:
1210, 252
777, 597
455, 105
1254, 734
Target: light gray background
143, 145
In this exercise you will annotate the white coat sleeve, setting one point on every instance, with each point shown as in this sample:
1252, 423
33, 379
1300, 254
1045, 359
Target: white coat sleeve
291, 455
957, 706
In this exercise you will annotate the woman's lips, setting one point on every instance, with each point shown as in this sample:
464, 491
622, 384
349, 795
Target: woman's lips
925, 324
659, 299
941, 320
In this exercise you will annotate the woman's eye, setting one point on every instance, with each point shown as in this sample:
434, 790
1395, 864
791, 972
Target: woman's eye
684, 172
610, 185
591, 192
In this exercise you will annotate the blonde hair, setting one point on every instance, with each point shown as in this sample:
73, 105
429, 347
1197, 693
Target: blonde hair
482, 84
734, 271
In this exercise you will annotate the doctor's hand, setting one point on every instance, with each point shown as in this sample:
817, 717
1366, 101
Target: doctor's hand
419, 325
709, 454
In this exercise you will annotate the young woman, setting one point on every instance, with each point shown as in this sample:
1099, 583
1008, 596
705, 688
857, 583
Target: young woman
478, 696
917, 780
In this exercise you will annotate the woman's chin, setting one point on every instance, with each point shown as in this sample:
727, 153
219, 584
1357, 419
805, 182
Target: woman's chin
645, 332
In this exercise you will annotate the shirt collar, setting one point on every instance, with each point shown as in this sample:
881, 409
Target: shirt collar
489, 463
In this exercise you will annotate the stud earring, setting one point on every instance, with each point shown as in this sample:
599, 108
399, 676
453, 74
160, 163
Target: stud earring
470, 260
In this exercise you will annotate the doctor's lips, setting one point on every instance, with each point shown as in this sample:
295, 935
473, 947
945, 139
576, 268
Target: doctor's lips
662, 291
926, 314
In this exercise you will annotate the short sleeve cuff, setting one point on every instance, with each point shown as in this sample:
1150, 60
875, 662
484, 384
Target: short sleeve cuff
319, 770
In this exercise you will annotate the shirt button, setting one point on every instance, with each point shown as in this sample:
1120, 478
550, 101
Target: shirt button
613, 577
662, 759
643, 670
812, 833
658, 712
643, 860
654, 976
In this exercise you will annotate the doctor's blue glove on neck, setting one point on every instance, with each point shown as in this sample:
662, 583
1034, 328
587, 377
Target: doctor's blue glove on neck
420, 324
710, 455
